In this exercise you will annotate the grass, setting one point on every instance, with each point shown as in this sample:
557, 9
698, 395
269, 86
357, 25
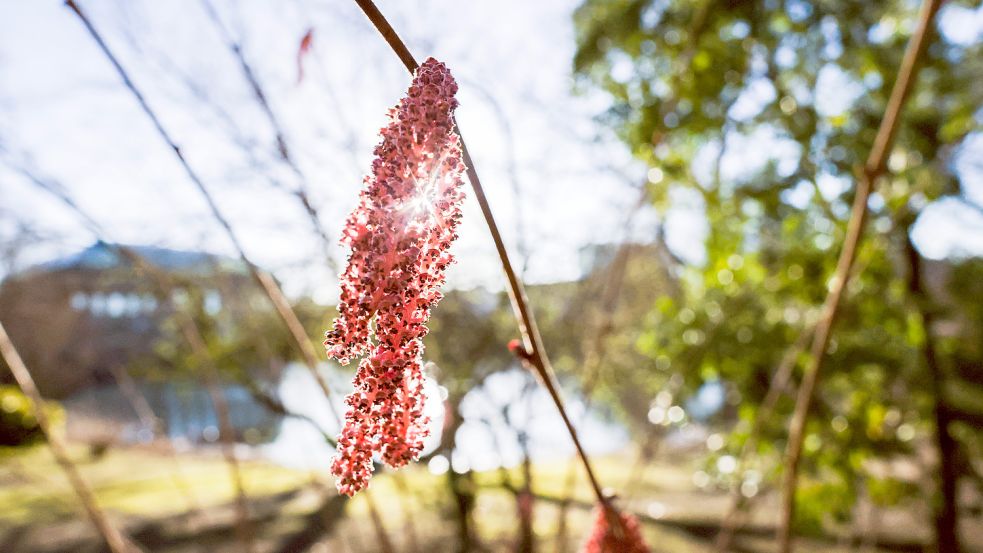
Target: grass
144, 484
137, 484
127, 481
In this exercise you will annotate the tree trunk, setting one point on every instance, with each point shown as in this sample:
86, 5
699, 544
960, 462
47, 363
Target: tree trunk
462, 488
946, 514
524, 500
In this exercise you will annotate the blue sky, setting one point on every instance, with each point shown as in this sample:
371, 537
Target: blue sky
63, 108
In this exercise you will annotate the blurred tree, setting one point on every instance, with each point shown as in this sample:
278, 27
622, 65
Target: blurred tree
466, 345
244, 335
592, 325
758, 112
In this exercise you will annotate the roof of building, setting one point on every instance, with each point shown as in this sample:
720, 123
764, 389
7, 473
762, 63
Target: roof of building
102, 255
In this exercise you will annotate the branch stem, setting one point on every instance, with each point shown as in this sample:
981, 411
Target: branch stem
873, 168
302, 190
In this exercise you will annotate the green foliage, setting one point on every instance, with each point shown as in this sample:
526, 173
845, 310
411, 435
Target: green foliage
18, 427
246, 339
830, 501
799, 88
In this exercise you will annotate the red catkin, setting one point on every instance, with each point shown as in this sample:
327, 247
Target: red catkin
614, 532
399, 234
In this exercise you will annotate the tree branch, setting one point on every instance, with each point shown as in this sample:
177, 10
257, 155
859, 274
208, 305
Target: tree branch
874, 168
301, 192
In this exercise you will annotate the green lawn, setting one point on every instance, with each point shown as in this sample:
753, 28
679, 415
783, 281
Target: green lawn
138, 485
34, 489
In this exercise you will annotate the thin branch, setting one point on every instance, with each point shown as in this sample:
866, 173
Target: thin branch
264, 279
874, 168
246, 143
697, 26
386, 30
532, 340
966, 202
226, 431
511, 168
114, 538
595, 349
275, 406
139, 403
301, 192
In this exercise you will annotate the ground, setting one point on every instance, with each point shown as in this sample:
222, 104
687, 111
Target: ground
299, 511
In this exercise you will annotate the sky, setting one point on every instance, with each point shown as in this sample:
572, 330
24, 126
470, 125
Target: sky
62, 105
554, 177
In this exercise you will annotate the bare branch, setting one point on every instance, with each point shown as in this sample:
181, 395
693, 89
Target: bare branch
301, 192
149, 419
874, 168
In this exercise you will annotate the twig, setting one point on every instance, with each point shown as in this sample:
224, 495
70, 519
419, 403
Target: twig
275, 406
113, 537
128, 387
227, 436
966, 202
873, 168
595, 349
264, 279
531, 338
301, 192
511, 168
